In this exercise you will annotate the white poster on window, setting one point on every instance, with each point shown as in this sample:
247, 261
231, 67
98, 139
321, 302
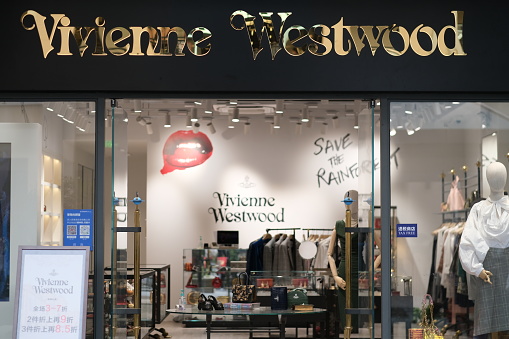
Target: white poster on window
51, 294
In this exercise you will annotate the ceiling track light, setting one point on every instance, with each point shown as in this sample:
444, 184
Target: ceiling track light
298, 128
167, 120
211, 127
137, 106
148, 126
277, 121
233, 102
108, 120
141, 120
356, 122
279, 106
235, 115
196, 127
189, 123
70, 115
335, 121
194, 114
305, 114
324, 128
208, 107
247, 127
125, 117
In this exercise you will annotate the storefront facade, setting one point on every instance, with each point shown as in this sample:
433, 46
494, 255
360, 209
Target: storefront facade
380, 55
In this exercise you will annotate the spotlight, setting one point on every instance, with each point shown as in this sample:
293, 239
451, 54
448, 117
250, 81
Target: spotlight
247, 127
298, 128
277, 121
125, 118
167, 120
137, 106
196, 127
233, 102
189, 123
108, 120
235, 116
211, 127
335, 121
208, 107
324, 128
148, 126
194, 114
141, 120
305, 114
356, 122
70, 115
49, 107
393, 132
279, 106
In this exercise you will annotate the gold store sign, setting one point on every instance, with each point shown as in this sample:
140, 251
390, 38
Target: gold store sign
316, 40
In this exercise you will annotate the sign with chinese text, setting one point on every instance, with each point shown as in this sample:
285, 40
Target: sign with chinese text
78, 228
51, 293
406, 230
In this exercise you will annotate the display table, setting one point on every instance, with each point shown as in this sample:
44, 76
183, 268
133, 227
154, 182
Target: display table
281, 314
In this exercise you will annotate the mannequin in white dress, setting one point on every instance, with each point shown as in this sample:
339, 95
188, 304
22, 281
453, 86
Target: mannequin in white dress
484, 253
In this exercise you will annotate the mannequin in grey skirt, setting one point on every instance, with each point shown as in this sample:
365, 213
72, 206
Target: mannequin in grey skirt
484, 253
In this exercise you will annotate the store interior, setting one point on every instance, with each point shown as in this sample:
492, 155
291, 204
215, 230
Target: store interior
293, 160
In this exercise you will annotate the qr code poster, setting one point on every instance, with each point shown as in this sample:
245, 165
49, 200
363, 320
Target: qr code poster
84, 229
72, 230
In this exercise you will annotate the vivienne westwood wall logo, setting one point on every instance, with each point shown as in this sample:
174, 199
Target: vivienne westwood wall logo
296, 40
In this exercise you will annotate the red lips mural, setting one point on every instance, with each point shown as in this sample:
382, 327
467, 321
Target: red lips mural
184, 149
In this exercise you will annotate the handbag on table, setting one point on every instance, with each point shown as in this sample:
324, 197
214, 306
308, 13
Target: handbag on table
242, 292
297, 296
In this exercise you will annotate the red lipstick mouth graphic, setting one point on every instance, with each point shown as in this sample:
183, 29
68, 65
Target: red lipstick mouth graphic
184, 149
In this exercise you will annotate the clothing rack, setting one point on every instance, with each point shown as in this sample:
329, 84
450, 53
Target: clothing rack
457, 216
287, 229
461, 215
317, 229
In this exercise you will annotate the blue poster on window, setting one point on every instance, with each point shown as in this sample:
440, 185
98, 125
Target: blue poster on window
79, 228
406, 230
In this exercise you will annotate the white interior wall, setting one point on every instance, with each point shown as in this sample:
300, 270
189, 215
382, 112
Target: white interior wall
25, 217
282, 166
416, 191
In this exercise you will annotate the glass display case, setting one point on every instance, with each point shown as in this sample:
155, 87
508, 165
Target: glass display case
211, 271
264, 280
124, 302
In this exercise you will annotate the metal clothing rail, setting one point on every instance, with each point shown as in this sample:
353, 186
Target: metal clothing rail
317, 229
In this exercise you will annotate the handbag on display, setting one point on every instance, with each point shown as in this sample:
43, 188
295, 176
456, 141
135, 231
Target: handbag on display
278, 298
427, 329
242, 292
217, 283
297, 296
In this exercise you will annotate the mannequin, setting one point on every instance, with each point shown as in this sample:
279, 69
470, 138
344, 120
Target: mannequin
339, 273
484, 253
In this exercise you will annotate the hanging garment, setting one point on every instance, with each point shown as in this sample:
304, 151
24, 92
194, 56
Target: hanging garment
455, 200
491, 309
268, 255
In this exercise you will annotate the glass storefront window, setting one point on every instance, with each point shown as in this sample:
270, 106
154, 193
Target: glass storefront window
47, 157
440, 151
254, 166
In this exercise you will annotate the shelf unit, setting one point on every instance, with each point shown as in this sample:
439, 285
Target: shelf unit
51, 223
